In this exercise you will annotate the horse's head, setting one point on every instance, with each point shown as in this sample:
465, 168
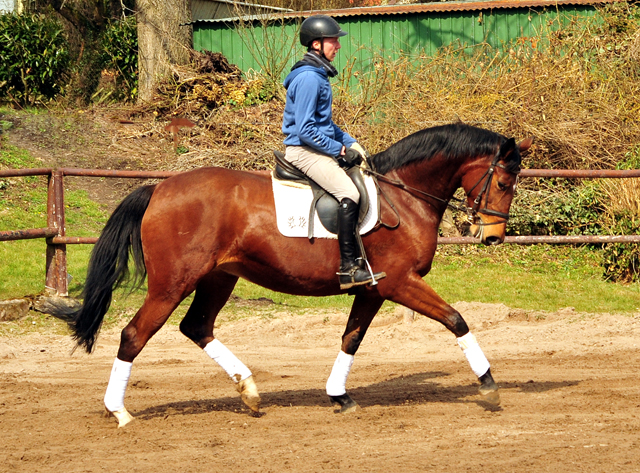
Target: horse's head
490, 187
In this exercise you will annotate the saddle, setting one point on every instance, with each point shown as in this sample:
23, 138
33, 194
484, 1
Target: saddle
325, 204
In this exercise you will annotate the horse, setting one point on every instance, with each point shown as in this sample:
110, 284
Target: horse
203, 229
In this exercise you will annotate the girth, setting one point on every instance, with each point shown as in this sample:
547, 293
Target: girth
325, 204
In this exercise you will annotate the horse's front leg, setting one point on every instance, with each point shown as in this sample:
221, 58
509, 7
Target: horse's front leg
364, 308
420, 297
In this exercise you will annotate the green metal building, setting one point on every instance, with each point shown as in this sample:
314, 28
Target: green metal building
389, 31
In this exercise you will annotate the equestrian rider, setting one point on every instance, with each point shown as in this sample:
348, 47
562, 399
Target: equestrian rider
316, 145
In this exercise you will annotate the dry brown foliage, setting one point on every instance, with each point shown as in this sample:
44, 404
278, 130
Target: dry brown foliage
623, 196
576, 90
578, 95
203, 86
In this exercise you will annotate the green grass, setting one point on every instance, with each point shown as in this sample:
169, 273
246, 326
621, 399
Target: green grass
540, 277
23, 205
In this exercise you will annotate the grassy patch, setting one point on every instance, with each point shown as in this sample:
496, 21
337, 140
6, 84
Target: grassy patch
23, 205
15, 158
533, 278
541, 277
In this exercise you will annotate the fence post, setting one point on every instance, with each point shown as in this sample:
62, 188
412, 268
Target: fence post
56, 279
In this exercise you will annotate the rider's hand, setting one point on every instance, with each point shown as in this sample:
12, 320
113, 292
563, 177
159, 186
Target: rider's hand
360, 149
352, 157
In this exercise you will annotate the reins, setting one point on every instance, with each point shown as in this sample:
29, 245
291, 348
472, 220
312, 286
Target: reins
471, 212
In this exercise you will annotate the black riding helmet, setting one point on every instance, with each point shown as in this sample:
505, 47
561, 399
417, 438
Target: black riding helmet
319, 27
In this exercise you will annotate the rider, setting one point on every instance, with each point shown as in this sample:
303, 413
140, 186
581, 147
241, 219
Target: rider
316, 145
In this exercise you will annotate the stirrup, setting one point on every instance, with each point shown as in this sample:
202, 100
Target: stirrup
356, 276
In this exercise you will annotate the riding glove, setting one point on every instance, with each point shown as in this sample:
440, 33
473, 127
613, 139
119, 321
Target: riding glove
351, 158
359, 149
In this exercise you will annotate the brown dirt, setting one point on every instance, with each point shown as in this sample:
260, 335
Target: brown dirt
101, 138
568, 381
569, 385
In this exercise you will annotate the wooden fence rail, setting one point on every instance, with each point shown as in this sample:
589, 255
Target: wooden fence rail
57, 240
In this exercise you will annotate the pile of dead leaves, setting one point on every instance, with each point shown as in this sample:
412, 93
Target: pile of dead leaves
203, 86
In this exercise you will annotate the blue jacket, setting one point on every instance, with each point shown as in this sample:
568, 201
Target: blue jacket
307, 113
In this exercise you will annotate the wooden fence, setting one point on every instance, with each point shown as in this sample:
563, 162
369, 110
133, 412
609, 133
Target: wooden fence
57, 240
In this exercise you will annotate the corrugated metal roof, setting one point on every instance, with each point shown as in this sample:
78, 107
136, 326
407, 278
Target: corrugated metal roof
245, 4
453, 6
431, 7
216, 9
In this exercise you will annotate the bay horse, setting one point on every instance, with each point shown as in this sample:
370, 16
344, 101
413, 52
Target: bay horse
202, 230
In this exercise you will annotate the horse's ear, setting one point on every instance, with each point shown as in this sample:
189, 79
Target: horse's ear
525, 144
507, 147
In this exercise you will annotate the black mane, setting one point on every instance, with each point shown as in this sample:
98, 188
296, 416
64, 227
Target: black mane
455, 140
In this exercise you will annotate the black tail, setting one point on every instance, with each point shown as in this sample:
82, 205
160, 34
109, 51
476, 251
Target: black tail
108, 266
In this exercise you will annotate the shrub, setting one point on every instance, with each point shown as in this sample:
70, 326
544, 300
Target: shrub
621, 261
34, 58
119, 55
558, 208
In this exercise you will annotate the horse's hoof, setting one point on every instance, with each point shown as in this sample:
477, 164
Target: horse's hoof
489, 389
491, 397
122, 416
345, 403
249, 393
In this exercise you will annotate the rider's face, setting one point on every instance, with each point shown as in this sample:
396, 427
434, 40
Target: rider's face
330, 47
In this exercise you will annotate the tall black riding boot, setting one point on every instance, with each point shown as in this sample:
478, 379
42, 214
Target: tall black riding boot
351, 273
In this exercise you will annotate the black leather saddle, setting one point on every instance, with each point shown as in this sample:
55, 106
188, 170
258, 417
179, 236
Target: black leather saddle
324, 203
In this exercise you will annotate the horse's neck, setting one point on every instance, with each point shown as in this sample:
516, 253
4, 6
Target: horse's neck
438, 178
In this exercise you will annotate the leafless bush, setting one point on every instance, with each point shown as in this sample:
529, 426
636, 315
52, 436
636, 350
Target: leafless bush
576, 89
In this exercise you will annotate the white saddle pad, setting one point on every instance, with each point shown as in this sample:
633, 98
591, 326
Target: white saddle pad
293, 202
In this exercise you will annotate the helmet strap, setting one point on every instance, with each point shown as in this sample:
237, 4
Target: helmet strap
321, 50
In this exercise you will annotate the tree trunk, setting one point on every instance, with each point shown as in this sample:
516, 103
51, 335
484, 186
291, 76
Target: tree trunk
161, 41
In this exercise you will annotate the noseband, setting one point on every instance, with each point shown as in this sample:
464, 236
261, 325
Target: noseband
472, 212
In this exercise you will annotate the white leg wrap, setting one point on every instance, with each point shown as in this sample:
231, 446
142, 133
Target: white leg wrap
120, 374
473, 352
336, 384
227, 361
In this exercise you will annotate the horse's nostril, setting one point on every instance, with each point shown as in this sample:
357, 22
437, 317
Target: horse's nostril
493, 240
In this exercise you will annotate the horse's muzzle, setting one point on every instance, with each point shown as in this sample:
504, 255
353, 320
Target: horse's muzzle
489, 235
492, 240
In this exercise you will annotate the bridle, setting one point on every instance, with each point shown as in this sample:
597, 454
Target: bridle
472, 212
460, 204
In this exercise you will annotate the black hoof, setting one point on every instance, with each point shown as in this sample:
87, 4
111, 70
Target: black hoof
345, 403
489, 389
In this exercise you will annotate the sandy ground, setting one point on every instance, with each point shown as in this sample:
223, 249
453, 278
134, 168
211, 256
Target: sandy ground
569, 387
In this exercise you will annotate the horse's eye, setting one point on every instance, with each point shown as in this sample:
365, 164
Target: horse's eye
502, 187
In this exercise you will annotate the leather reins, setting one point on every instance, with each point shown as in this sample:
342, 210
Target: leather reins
471, 212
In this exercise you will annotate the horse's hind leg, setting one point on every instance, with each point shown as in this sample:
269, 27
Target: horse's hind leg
211, 295
152, 315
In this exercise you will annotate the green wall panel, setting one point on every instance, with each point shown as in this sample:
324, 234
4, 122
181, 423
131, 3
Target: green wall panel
391, 36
